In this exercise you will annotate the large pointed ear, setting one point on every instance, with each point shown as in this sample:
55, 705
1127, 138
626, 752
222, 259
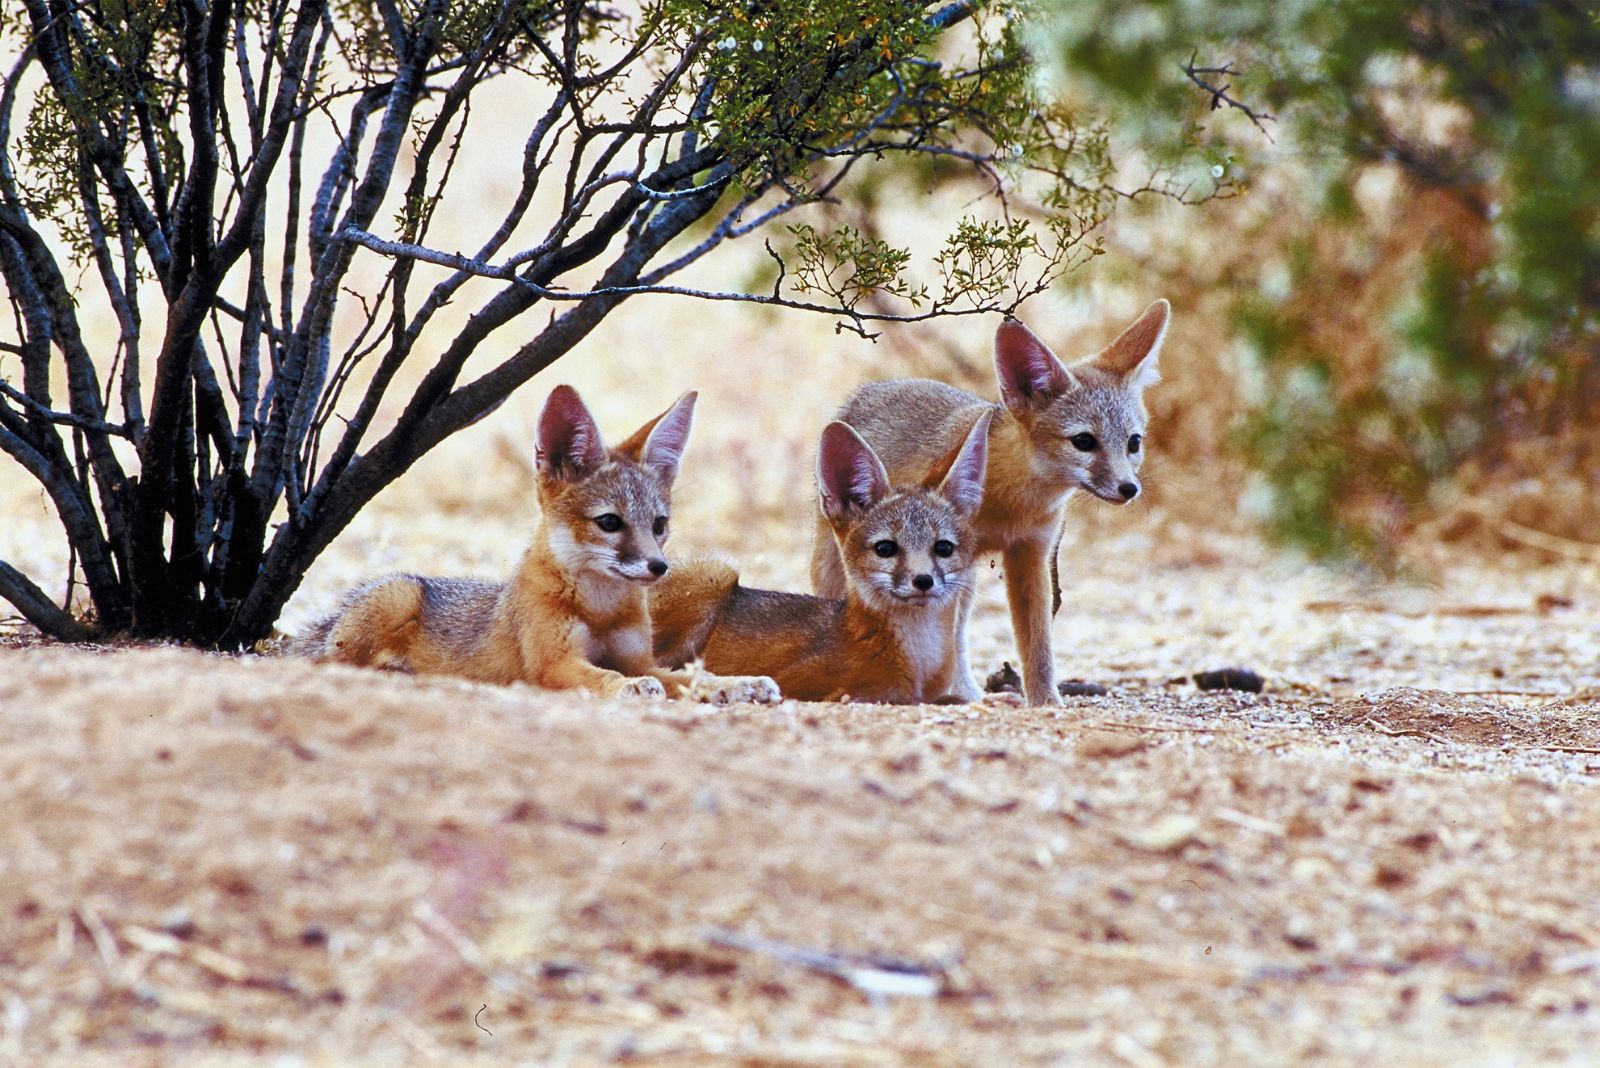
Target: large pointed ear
962, 485
659, 444
569, 442
1029, 372
1133, 356
849, 474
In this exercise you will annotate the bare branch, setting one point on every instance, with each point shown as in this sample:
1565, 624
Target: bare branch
37, 607
1219, 93
509, 274
95, 426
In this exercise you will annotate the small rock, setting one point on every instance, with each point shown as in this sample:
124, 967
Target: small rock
1311, 869
1389, 876
1108, 744
1167, 835
1006, 680
1299, 933
1232, 678
1300, 825
556, 969
179, 923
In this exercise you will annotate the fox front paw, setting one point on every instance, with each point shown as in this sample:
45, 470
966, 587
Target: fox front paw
643, 686
739, 690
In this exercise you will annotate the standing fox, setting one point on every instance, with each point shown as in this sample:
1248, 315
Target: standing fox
907, 559
575, 614
1058, 429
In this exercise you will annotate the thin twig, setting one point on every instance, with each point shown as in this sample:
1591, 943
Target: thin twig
97, 426
1550, 543
1406, 731
508, 274
1219, 93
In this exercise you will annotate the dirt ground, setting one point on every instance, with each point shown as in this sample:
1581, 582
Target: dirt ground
1389, 855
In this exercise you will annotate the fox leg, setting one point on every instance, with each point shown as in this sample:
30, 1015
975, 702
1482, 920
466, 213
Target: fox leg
963, 684
719, 689
575, 673
1028, 590
630, 654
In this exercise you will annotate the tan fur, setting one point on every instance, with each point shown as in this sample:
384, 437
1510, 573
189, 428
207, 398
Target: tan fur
1033, 466
886, 640
575, 614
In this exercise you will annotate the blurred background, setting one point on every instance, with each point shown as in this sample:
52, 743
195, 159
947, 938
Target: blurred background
1404, 294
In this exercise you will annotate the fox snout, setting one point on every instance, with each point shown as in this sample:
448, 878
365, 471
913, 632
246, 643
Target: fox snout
1124, 492
646, 568
1121, 493
1109, 485
917, 585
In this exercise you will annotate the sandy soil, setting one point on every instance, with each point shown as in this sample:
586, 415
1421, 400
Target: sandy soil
1390, 854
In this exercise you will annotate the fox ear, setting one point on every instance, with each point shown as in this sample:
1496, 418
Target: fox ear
1133, 355
963, 483
1028, 371
569, 442
659, 444
849, 473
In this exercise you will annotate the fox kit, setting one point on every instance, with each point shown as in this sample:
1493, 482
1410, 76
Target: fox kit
907, 552
1056, 430
575, 614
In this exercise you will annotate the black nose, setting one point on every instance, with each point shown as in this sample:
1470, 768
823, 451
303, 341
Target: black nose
1128, 490
658, 568
923, 582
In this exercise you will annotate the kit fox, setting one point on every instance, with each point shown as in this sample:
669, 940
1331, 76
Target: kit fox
575, 613
1056, 430
908, 559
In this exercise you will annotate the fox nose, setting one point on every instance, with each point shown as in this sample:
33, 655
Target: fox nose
658, 568
1129, 490
923, 582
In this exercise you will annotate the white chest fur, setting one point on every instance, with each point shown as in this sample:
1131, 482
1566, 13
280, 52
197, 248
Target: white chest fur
927, 642
604, 598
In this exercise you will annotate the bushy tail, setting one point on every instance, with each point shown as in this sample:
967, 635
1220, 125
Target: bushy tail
312, 645
684, 607
374, 627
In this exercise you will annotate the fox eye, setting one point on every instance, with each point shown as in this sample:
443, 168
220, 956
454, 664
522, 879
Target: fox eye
885, 548
944, 548
611, 522
659, 527
1084, 442
1134, 443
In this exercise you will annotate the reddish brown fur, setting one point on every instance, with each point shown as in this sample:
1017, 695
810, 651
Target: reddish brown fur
1033, 470
888, 639
575, 613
